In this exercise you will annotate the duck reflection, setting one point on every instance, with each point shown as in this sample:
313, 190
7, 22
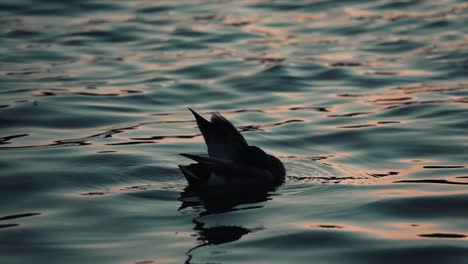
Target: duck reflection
214, 201
211, 201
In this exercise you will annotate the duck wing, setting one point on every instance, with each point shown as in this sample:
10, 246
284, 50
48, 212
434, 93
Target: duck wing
221, 137
195, 174
214, 171
209, 161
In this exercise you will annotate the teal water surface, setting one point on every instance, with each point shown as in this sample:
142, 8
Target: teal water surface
365, 102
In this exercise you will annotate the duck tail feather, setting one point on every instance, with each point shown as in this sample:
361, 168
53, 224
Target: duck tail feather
204, 125
229, 133
203, 160
190, 175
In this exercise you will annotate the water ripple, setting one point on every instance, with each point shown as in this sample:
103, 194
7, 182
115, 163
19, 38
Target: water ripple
365, 102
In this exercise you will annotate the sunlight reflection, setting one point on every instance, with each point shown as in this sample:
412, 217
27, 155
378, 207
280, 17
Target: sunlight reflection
399, 230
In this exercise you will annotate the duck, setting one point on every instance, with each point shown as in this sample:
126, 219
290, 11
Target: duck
231, 161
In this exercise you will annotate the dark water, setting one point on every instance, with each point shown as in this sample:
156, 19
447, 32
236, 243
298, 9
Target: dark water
366, 102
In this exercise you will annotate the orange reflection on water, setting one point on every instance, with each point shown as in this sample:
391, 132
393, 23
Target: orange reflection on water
398, 192
103, 18
354, 12
304, 17
404, 14
406, 72
337, 56
398, 230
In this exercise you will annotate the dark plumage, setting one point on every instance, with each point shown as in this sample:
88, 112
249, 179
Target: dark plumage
231, 160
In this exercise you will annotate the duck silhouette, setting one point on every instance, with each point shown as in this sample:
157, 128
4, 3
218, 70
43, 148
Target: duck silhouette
231, 161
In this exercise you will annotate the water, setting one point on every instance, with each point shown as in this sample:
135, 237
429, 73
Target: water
364, 101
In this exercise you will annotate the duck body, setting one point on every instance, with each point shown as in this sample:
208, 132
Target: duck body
230, 161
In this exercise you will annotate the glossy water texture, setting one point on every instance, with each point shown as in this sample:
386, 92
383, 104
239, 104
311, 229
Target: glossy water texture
366, 103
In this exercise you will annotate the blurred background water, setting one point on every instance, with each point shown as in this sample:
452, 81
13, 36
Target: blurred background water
366, 103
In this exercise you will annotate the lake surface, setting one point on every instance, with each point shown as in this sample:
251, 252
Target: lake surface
365, 102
